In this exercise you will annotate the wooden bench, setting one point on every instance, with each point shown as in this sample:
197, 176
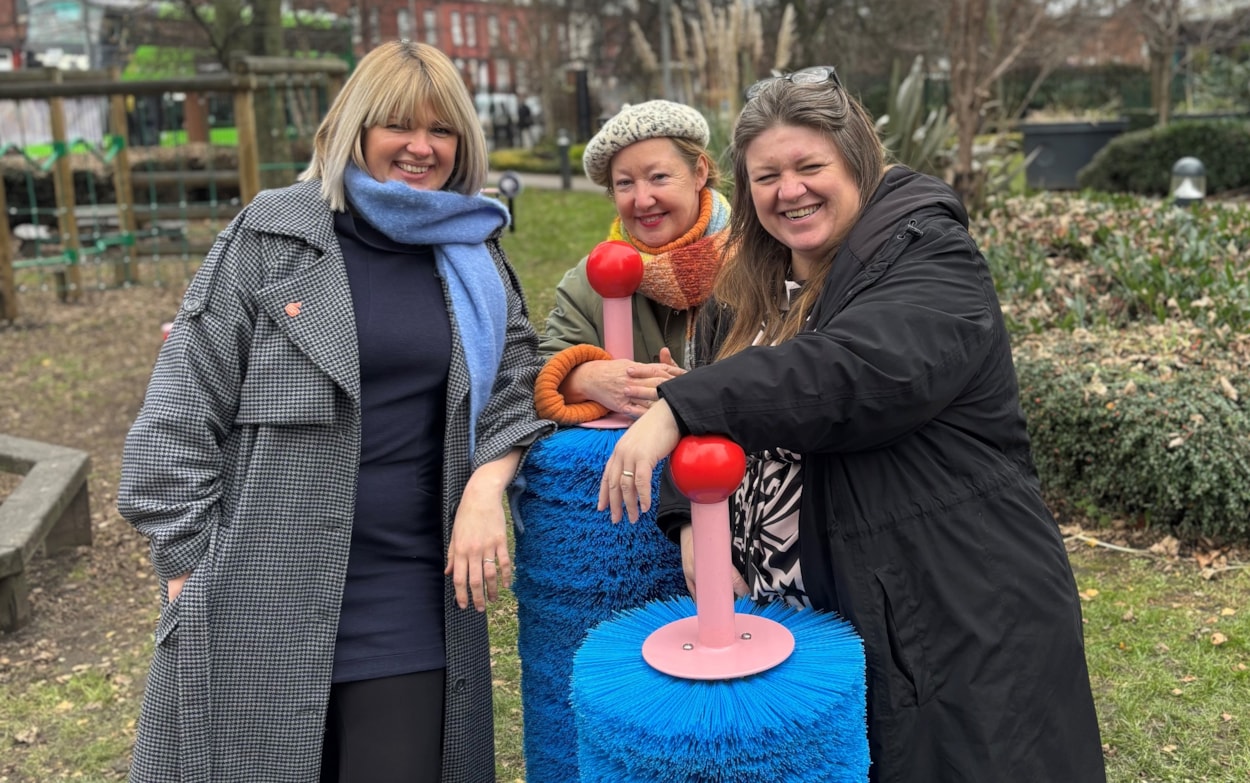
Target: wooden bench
49, 509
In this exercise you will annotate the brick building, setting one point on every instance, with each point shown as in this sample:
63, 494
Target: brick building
12, 33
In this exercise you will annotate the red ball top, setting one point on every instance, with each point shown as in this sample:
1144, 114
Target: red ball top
707, 468
614, 269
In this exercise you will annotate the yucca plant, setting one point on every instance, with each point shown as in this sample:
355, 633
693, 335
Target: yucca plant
916, 138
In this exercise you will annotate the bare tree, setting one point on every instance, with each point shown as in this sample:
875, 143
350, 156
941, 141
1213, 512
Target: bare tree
561, 42
718, 51
1174, 31
221, 23
1160, 25
863, 39
987, 39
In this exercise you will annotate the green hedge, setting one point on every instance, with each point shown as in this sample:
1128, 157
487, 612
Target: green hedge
542, 159
1147, 423
1141, 161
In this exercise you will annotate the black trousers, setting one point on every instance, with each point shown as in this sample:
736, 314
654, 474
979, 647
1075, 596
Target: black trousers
388, 730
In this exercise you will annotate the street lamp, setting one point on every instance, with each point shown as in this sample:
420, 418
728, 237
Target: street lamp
1189, 182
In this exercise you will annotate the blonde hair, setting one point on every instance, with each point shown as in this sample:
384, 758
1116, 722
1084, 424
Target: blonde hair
752, 280
394, 80
692, 152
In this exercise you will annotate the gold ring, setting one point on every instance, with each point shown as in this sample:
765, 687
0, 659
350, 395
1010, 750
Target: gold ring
490, 560
627, 473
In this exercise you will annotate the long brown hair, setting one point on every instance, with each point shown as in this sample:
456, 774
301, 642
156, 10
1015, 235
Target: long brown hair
752, 280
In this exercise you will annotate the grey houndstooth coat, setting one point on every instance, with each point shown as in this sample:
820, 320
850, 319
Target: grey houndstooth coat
241, 469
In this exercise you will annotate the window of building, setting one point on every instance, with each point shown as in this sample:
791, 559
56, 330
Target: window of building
403, 24
492, 30
457, 32
375, 27
503, 75
470, 30
431, 27
522, 76
513, 35
354, 16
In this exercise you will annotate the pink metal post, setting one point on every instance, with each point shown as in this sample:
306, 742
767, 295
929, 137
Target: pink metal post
717, 643
614, 269
618, 332
714, 598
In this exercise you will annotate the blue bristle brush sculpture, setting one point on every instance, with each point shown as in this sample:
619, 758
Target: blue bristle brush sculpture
718, 691
574, 568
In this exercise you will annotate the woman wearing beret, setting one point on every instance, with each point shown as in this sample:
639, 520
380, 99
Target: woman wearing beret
653, 161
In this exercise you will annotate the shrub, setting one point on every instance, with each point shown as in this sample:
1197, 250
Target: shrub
1073, 262
541, 159
1148, 423
1141, 161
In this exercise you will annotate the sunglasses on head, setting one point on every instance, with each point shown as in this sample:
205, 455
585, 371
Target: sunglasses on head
817, 74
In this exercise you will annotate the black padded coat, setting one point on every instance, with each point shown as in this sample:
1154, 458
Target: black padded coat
922, 520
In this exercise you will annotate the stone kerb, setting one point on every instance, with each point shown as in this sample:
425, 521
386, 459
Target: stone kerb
48, 509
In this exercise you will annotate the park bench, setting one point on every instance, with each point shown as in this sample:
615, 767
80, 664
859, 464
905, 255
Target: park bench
49, 510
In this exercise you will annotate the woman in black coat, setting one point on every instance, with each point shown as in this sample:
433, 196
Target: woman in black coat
862, 361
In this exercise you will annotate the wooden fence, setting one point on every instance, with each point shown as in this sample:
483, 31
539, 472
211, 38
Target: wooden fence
257, 85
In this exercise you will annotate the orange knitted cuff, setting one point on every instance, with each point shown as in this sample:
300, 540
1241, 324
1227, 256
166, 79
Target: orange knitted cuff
548, 400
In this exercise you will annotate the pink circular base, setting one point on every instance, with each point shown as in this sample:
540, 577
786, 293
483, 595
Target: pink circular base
769, 644
613, 421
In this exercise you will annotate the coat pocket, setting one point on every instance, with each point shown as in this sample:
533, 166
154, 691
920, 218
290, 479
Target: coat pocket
283, 385
905, 630
168, 623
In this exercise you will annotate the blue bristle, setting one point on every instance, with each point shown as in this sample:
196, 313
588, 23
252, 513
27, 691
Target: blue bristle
574, 569
803, 720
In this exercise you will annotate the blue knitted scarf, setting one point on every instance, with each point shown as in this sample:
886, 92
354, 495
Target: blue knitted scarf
456, 226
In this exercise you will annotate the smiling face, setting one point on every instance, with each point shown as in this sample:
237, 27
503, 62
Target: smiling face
804, 194
656, 191
419, 151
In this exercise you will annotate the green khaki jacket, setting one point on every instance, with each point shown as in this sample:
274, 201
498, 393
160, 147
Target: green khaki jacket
577, 319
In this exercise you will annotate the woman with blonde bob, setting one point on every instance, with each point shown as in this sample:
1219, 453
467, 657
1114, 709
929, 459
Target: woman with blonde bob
345, 395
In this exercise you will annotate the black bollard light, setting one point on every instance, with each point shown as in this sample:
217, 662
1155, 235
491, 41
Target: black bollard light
509, 187
1189, 182
562, 146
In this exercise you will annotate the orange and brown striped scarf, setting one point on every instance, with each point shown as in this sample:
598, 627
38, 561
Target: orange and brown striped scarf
680, 274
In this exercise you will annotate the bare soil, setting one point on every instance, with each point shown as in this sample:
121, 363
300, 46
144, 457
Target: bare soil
74, 375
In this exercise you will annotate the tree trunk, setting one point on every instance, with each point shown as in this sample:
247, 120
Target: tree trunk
270, 106
1161, 86
967, 28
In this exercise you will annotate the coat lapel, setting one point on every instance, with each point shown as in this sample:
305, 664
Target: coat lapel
313, 308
